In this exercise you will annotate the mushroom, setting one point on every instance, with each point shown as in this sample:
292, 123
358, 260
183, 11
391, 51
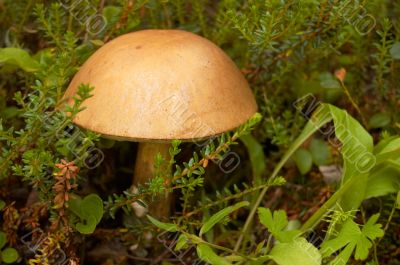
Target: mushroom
153, 86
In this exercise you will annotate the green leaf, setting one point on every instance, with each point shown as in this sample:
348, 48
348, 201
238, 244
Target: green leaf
256, 118
351, 238
88, 226
349, 233
370, 232
18, 57
9, 255
182, 242
395, 51
2, 204
387, 145
344, 255
387, 149
385, 176
74, 205
320, 152
371, 229
256, 154
327, 80
356, 142
379, 120
91, 205
89, 210
234, 258
97, 42
3, 239
320, 116
219, 216
303, 160
357, 147
9, 112
165, 226
297, 252
260, 260
112, 14
206, 254
276, 223
383, 181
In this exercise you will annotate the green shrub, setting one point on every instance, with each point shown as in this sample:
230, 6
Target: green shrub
295, 55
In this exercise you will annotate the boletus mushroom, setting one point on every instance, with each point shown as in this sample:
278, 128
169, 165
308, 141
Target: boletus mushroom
153, 86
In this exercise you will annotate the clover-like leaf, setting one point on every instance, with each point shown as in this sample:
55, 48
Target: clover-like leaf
92, 205
351, 238
89, 210
87, 226
276, 223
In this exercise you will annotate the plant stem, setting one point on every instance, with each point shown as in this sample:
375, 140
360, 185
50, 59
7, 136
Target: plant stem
353, 103
316, 217
225, 199
200, 240
388, 221
296, 144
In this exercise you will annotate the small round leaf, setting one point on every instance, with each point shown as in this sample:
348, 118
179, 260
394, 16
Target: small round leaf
303, 160
379, 120
9, 255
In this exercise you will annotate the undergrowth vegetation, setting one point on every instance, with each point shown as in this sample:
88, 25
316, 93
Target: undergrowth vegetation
316, 174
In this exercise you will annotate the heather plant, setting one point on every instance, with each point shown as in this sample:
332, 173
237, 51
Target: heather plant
316, 178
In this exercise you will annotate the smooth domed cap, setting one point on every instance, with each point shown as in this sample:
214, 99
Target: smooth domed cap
162, 85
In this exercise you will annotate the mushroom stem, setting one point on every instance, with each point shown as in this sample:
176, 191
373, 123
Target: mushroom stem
144, 171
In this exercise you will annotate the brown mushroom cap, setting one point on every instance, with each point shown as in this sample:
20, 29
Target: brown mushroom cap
162, 85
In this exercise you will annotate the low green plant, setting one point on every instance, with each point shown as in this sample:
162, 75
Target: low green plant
351, 239
290, 248
8, 255
89, 210
286, 50
344, 235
